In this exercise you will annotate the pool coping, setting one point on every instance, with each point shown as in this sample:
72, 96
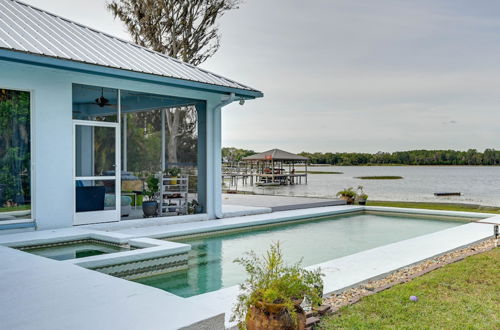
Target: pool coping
143, 254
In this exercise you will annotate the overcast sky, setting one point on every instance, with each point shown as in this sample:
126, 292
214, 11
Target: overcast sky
352, 75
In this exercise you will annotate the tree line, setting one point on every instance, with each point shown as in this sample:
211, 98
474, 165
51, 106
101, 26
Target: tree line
411, 157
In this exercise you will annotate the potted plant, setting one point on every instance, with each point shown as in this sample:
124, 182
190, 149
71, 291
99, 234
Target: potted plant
194, 207
173, 173
347, 194
150, 207
361, 196
273, 291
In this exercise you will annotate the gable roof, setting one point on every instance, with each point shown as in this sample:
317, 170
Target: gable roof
24, 28
276, 154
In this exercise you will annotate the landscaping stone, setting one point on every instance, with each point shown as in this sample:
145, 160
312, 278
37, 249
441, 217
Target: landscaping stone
312, 321
353, 295
323, 309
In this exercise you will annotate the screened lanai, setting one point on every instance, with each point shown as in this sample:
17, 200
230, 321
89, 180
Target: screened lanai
156, 133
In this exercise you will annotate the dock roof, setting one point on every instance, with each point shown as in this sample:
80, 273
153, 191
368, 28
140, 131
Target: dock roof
29, 30
275, 154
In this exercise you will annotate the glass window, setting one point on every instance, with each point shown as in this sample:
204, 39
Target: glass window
145, 141
95, 151
15, 157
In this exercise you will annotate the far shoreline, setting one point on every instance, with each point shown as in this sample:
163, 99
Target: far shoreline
389, 165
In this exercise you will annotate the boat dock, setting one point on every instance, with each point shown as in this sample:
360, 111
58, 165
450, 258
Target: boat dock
271, 168
264, 179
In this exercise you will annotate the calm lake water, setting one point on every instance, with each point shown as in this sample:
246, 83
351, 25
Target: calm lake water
478, 184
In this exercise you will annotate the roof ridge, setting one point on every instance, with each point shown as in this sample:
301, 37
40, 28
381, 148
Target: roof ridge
130, 43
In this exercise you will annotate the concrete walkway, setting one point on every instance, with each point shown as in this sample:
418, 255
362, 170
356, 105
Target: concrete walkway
278, 203
40, 293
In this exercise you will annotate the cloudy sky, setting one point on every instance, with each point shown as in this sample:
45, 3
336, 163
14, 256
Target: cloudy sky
352, 75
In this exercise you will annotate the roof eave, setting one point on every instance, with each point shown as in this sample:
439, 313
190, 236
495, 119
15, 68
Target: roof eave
64, 64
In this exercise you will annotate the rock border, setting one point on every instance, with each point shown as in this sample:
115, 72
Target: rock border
353, 295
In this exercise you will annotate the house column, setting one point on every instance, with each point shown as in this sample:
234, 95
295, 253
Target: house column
201, 110
210, 153
209, 157
217, 162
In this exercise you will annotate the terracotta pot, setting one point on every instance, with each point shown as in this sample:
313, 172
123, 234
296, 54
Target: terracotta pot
274, 317
348, 199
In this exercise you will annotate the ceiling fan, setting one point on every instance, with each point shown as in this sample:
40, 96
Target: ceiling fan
102, 101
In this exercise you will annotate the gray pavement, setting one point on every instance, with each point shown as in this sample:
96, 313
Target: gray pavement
278, 203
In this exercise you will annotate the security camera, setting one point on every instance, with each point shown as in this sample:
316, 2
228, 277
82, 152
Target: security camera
242, 101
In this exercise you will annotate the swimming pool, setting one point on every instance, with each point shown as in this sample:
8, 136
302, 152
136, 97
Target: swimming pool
314, 241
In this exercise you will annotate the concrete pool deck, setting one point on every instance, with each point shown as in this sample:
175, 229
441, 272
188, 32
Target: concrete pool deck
40, 293
50, 294
277, 203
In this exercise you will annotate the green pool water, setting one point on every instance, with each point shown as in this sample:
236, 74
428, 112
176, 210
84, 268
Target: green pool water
74, 250
211, 264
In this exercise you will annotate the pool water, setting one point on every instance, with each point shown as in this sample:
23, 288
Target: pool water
74, 250
211, 265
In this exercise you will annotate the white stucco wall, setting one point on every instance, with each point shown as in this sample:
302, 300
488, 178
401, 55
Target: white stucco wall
52, 135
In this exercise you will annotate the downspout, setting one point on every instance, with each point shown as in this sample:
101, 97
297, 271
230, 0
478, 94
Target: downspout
218, 169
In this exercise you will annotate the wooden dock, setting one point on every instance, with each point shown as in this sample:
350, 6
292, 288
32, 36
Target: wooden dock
265, 179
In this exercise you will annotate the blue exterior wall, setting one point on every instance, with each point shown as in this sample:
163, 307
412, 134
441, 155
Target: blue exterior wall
52, 135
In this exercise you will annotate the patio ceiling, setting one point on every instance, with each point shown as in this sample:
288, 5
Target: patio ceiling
84, 97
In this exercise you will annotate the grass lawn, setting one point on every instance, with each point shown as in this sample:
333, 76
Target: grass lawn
438, 206
15, 208
463, 295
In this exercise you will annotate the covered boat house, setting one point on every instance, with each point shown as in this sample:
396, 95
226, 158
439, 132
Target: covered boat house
86, 119
276, 167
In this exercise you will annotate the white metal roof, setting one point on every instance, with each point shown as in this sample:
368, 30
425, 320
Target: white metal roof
30, 30
275, 154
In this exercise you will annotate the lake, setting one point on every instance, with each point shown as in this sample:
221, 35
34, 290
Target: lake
478, 184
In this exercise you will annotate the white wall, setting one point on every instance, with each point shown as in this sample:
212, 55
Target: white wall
52, 138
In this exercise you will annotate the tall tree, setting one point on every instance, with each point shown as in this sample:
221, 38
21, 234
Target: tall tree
183, 29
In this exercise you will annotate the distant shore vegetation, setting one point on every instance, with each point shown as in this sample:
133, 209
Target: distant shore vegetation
412, 157
319, 172
379, 177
